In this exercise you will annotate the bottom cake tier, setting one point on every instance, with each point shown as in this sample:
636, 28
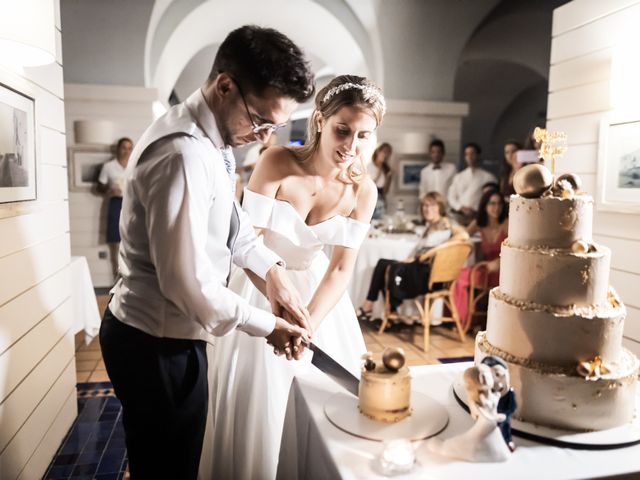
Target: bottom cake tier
560, 398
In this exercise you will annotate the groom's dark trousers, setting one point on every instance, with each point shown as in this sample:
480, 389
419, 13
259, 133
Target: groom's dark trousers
162, 384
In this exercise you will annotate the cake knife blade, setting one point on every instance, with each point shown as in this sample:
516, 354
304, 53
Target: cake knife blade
333, 369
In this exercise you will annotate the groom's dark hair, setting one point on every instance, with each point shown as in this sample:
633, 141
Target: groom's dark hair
259, 58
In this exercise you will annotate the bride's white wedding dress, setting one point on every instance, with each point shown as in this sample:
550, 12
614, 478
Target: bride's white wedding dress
249, 385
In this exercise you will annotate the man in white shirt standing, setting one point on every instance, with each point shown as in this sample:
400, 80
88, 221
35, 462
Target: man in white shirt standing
181, 229
436, 177
466, 188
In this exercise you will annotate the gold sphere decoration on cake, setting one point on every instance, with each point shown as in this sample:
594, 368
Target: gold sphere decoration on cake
579, 246
393, 358
574, 180
532, 180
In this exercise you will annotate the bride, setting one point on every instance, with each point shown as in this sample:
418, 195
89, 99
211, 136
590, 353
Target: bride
301, 199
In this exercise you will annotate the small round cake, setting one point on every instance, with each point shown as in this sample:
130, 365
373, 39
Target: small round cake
385, 388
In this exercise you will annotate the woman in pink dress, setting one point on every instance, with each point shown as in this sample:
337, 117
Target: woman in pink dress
492, 224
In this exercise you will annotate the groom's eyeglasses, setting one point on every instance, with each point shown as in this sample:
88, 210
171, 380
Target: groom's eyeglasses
258, 129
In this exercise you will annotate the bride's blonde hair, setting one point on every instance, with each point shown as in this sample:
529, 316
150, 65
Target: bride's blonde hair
342, 91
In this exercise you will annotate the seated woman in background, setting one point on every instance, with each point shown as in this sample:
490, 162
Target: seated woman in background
411, 276
492, 224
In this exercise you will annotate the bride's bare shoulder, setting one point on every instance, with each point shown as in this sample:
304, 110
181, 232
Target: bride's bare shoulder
274, 165
279, 159
366, 197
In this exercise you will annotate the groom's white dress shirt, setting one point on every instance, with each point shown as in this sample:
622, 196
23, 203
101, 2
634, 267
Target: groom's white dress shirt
181, 229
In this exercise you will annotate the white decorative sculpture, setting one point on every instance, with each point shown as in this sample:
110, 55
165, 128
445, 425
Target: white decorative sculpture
483, 442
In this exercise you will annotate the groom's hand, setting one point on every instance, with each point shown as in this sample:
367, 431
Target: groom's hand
282, 295
287, 339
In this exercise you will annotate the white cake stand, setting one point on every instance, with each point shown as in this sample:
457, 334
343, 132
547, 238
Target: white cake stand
619, 437
428, 418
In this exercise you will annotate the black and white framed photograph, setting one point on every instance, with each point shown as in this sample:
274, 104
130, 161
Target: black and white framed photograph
619, 165
17, 146
85, 163
409, 173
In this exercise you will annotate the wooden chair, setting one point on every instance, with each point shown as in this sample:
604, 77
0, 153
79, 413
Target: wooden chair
447, 260
477, 291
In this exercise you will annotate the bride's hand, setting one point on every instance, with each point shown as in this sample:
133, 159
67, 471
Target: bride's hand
283, 296
287, 339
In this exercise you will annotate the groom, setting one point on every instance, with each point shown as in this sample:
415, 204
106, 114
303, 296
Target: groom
180, 231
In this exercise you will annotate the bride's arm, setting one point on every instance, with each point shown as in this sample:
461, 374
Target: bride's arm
335, 280
271, 169
265, 180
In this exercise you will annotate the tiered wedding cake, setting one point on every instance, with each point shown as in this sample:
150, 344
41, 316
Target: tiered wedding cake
554, 318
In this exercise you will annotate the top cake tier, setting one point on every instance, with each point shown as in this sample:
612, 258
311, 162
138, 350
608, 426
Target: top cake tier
550, 221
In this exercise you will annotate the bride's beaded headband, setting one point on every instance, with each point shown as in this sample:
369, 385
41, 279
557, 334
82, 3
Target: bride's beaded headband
370, 93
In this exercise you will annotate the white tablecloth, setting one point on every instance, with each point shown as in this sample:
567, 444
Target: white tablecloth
312, 448
86, 315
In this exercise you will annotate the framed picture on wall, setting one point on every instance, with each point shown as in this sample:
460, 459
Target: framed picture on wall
17, 146
409, 173
618, 174
85, 163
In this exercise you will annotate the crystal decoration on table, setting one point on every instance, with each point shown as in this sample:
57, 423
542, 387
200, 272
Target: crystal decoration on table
554, 319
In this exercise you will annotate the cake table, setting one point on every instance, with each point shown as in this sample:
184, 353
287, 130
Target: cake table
314, 448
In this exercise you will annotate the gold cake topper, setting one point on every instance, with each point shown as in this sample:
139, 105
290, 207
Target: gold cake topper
552, 145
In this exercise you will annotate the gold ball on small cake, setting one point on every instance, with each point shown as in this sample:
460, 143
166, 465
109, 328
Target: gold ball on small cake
532, 180
393, 358
579, 246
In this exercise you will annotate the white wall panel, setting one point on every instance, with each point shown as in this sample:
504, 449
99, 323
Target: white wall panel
49, 110
27, 352
632, 324
626, 284
621, 225
580, 159
58, 47
579, 128
27, 310
620, 258
46, 449
48, 77
53, 183
591, 68
17, 407
631, 345
53, 148
56, 10
19, 232
578, 13
586, 32
24, 444
594, 36
583, 99
32, 265
35, 311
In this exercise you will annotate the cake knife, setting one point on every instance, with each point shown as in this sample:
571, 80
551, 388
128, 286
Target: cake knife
333, 369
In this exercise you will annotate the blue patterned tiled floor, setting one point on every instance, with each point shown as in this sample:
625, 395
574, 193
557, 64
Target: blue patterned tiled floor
94, 447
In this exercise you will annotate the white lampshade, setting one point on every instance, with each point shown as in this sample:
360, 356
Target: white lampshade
98, 132
27, 32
